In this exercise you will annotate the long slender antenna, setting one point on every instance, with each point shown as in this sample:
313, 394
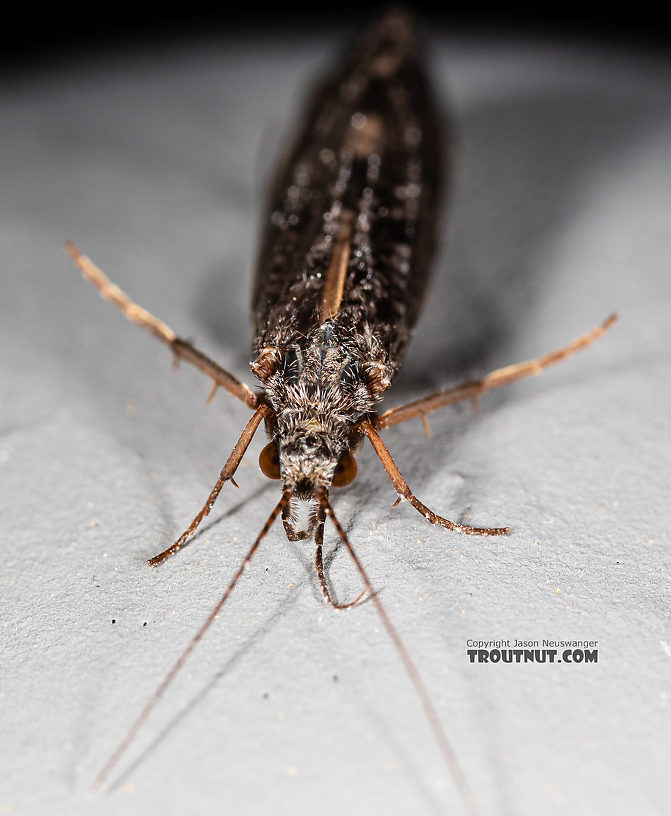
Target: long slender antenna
319, 566
170, 676
429, 709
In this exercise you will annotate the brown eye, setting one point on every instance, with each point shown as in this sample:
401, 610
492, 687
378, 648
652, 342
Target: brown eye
269, 461
345, 470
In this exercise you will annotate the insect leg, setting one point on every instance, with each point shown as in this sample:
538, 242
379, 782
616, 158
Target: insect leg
181, 348
226, 474
319, 566
404, 492
146, 711
502, 376
431, 714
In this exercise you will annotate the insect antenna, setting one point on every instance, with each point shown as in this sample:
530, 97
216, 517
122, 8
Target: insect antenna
170, 676
319, 567
446, 749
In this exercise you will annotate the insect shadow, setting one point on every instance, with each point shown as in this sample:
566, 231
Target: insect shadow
520, 168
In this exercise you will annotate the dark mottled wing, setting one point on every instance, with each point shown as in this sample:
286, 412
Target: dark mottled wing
351, 228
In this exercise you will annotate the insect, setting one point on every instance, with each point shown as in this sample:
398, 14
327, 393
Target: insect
342, 270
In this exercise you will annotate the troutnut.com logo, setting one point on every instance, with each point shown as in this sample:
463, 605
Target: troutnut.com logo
532, 651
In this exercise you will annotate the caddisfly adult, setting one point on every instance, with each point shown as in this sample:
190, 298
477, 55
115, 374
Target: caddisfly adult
343, 268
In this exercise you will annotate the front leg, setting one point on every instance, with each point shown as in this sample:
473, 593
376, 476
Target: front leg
226, 475
404, 492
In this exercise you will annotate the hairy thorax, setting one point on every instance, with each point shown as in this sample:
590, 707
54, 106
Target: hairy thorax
323, 386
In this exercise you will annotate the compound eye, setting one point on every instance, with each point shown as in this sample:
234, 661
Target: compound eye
269, 461
345, 470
